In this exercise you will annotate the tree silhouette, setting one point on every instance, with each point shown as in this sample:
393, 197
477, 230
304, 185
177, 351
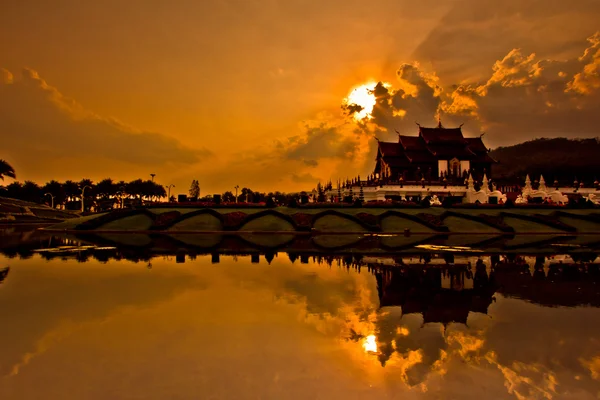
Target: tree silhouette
7, 170
228, 197
56, 189
195, 189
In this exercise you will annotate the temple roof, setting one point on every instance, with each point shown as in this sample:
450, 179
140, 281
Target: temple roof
476, 145
434, 144
412, 143
390, 149
449, 151
441, 135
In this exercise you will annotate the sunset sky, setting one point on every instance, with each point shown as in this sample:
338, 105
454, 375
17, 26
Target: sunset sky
251, 92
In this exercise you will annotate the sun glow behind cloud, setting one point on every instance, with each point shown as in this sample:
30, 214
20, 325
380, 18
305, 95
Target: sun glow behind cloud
362, 100
370, 344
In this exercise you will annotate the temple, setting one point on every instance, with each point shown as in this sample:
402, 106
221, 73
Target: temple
436, 153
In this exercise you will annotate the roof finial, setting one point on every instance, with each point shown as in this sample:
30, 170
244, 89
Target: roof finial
439, 120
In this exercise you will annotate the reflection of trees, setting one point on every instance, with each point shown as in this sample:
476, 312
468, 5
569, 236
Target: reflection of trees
556, 284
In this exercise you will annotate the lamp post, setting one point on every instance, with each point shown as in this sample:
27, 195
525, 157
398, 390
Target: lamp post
236, 192
83, 197
52, 197
121, 195
169, 192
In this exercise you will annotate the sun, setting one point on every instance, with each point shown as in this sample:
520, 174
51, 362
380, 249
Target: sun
370, 344
363, 97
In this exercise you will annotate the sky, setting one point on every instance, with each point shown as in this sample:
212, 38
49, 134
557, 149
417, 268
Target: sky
254, 93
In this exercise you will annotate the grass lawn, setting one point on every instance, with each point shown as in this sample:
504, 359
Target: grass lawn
395, 223
458, 224
334, 223
202, 222
139, 222
268, 223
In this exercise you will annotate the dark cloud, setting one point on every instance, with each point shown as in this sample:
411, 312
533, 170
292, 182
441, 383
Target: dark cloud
304, 178
320, 140
38, 123
473, 34
527, 97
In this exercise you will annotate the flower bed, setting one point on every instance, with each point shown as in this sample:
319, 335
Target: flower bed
234, 219
302, 220
431, 219
368, 219
165, 219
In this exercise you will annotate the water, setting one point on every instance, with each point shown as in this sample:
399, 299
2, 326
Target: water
119, 323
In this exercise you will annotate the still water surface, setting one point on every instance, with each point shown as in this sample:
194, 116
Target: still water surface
238, 329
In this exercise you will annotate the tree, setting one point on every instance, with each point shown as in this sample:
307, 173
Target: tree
6, 170
106, 188
195, 189
56, 189
71, 190
14, 190
135, 188
31, 192
228, 197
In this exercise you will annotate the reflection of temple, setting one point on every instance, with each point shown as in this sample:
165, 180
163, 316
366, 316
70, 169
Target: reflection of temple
3, 273
441, 295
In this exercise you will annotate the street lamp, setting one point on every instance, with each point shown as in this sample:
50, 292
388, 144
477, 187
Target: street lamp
52, 197
83, 197
121, 193
236, 192
169, 192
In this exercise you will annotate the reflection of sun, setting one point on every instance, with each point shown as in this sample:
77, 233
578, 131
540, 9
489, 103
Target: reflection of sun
363, 97
370, 344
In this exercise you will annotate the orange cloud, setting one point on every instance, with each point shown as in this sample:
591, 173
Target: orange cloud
588, 80
40, 125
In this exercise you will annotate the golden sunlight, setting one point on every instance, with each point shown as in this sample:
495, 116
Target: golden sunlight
364, 97
370, 344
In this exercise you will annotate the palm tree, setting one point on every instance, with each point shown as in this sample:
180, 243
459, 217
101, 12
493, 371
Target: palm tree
6, 170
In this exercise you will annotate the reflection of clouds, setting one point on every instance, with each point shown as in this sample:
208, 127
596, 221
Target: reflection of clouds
59, 299
593, 365
526, 381
259, 314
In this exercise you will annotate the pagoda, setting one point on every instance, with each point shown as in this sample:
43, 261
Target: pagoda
435, 153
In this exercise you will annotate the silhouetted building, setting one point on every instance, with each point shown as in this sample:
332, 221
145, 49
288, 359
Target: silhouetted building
435, 152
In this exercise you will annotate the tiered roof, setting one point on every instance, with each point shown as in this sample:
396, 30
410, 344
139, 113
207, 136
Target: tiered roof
433, 144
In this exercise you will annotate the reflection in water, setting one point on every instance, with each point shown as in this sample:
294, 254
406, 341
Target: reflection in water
154, 324
3, 273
